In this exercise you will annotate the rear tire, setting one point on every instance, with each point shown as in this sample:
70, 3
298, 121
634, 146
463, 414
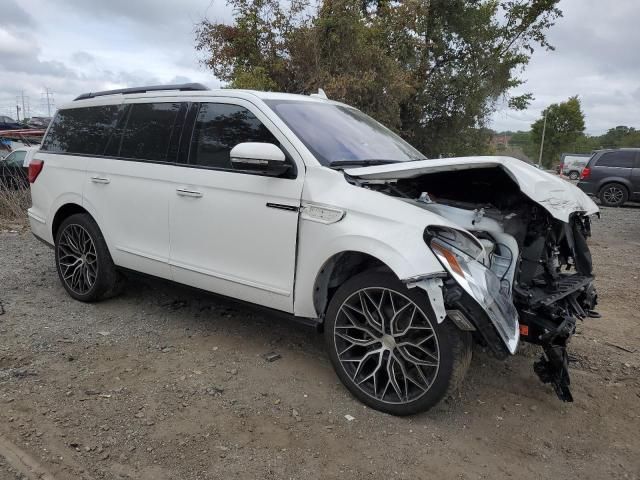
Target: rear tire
574, 175
388, 349
613, 195
83, 261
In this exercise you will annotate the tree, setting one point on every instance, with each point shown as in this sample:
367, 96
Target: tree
430, 69
565, 124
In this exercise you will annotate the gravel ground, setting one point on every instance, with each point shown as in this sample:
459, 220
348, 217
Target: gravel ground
165, 383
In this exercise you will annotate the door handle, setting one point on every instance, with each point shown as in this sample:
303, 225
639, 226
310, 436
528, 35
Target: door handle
185, 192
100, 180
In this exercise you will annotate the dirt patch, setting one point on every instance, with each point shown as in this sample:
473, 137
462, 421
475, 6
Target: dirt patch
164, 383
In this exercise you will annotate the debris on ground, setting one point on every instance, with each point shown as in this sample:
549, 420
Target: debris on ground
169, 414
272, 356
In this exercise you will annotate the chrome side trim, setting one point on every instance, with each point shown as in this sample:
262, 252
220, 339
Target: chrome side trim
282, 206
321, 213
36, 218
138, 253
230, 278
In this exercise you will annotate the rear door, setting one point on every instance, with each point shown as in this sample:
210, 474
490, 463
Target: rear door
235, 233
128, 186
615, 166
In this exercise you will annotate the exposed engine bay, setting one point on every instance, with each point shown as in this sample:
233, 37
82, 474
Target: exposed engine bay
543, 263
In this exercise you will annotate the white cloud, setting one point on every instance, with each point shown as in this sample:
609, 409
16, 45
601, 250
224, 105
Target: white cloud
73, 46
595, 58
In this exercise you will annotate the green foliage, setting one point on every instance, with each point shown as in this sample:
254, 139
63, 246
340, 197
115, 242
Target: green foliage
430, 69
618, 137
565, 124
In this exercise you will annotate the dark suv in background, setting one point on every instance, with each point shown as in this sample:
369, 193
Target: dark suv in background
613, 176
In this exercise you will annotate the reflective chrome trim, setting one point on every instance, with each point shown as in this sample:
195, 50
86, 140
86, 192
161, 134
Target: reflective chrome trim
321, 213
280, 206
35, 217
138, 253
231, 278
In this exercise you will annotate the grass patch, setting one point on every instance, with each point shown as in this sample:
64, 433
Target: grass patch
15, 199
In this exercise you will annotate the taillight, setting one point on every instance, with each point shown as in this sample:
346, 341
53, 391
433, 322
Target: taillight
35, 167
586, 171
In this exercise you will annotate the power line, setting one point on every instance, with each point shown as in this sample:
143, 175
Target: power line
24, 101
48, 99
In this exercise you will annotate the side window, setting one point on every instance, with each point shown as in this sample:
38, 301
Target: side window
81, 130
150, 130
218, 128
622, 158
16, 159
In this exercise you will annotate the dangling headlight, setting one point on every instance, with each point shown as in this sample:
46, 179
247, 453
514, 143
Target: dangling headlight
459, 240
463, 257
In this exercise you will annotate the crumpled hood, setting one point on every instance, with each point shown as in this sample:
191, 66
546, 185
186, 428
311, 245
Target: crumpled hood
559, 197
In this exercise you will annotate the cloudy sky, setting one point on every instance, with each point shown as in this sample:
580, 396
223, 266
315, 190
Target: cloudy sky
75, 46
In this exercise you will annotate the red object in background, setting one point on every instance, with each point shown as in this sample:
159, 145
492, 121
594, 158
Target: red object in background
586, 171
35, 167
35, 132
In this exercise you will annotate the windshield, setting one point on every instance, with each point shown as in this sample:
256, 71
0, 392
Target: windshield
339, 135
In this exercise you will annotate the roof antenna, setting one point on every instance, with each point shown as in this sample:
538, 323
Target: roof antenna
320, 94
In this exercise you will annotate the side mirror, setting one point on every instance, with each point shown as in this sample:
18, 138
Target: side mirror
260, 158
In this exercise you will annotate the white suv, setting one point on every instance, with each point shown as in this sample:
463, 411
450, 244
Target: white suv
308, 206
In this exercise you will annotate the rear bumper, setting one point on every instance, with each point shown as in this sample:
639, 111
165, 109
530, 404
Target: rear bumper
39, 227
587, 187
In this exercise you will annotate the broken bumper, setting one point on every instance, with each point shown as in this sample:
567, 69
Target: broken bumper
550, 319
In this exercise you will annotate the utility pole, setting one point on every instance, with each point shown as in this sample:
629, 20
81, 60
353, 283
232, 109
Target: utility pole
17, 113
24, 110
544, 129
48, 93
21, 99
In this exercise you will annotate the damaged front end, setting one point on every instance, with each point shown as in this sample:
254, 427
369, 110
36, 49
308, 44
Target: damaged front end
554, 290
525, 272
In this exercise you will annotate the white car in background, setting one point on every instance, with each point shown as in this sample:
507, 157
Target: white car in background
308, 206
572, 164
13, 168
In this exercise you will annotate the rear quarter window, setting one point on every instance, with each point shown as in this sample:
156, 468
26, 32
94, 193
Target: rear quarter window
623, 159
81, 130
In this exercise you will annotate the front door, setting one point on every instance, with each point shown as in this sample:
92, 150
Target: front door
235, 233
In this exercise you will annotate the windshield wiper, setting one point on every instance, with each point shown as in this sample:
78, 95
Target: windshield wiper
361, 163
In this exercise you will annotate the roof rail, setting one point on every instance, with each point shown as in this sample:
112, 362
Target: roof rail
183, 87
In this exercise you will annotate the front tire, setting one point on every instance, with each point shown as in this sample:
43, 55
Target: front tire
83, 261
387, 347
613, 195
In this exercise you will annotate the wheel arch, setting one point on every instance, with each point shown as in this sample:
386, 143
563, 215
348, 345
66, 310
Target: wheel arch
339, 268
63, 212
619, 180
